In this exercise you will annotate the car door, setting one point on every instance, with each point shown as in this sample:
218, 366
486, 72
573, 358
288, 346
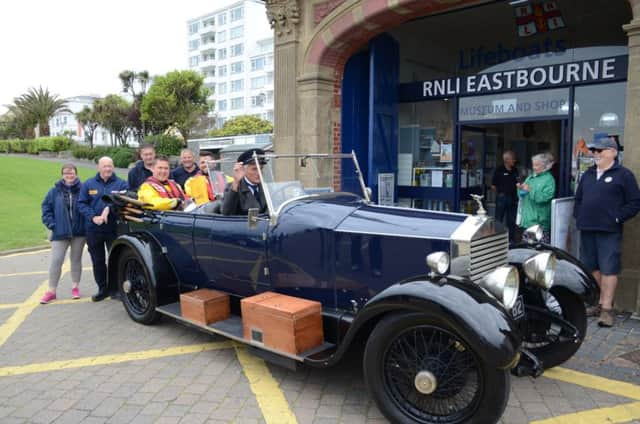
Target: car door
232, 256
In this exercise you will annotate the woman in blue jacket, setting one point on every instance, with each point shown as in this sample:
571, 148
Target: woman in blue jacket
66, 229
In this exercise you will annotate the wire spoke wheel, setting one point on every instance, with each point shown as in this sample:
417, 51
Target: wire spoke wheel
138, 296
452, 368
137, 291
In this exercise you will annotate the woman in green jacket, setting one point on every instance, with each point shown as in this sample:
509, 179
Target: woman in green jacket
536, 194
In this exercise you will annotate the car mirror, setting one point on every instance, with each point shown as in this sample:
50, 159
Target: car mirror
252, 218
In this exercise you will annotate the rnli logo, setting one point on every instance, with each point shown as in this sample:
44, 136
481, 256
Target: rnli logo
538, 18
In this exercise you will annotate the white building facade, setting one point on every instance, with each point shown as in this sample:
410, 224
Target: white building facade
66, 123
232, 48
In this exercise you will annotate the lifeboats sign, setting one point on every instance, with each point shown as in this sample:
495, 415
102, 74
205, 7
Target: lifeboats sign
547, 76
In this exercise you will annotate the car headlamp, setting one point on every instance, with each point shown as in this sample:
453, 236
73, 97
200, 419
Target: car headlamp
534, 234
438, 262
503, 283
541, 269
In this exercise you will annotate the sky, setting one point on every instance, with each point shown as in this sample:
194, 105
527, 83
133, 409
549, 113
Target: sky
75, 47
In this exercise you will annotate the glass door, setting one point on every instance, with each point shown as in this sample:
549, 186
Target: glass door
477, 158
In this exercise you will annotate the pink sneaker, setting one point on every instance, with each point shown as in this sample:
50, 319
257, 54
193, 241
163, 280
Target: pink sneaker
48, 297
75, 293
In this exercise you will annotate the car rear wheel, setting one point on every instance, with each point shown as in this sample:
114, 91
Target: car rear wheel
135, 287
418, 370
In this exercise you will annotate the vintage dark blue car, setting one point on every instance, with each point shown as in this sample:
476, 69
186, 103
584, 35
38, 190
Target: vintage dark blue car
444, 309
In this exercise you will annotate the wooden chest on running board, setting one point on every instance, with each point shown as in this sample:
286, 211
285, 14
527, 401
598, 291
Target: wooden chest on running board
280, 322
205, 306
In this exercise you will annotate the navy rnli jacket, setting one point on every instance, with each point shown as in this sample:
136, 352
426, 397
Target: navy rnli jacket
60, 211
91, 203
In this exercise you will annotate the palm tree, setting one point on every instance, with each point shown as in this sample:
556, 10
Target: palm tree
40, 105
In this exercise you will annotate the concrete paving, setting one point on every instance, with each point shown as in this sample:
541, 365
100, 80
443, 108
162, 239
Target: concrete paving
74, 361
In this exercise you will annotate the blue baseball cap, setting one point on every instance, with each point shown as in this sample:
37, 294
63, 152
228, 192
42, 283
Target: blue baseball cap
604, 143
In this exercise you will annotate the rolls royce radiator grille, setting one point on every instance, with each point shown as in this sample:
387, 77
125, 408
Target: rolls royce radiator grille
488, 253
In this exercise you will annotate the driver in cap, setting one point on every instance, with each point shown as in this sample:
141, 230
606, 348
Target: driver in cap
245, 191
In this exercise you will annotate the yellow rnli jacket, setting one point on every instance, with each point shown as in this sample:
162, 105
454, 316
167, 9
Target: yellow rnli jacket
147, 193
199, 189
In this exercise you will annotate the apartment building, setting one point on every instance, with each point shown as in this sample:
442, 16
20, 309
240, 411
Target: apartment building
233, 49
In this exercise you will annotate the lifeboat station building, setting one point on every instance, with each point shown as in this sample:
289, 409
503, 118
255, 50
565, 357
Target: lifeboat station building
430, 93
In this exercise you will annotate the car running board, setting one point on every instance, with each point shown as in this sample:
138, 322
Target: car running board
232, 329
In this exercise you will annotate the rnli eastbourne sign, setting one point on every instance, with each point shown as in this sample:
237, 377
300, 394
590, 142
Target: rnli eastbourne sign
546, 76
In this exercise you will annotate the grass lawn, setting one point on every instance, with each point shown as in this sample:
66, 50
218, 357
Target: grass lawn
23, 184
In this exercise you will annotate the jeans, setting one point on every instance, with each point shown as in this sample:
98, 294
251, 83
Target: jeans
99, 244
506, 209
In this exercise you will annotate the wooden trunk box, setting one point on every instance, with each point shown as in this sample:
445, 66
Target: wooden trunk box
281, 322
204, 306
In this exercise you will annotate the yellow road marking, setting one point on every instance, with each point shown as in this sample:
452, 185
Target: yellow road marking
22, 312
11, 305
35, 252
16, 274
275, 408
55, 302
616, 414
112, 359
25, 309
618, 388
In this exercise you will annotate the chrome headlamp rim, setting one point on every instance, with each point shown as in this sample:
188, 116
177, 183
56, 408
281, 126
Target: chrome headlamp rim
534, 234
438, 262
540, 269
504, 284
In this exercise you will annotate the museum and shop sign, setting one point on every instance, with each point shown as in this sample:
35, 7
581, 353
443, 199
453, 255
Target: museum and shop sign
545, 76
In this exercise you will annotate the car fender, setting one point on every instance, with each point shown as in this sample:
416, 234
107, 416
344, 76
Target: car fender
161, 273
476, 316
571, 274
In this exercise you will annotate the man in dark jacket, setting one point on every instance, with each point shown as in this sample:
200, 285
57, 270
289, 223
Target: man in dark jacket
504, 185
187, 168
142, 170
100, 220
606, 197
245, 192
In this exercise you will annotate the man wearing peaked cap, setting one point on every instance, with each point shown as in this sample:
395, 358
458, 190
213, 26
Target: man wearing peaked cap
245, 191
606, 197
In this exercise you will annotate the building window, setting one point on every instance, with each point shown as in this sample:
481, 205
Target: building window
258, 63
208, 56
237, 85
193, 61
269, 78
222, 71
211, 88
269, 97
221, 36
194, 27
258, 82
209, 73
222, 54
237, 103
222, 88
210, 39
237, 14
236, 68
258, 101
222, 19
237, 49
222, 105
194, 44
236, 32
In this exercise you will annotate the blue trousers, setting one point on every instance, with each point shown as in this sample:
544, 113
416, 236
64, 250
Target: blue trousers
99, 244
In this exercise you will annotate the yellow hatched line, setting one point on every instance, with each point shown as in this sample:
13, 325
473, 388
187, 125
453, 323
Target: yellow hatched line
614, 387
275, 408
55, 302
112, 359
616, 414
22, 312
35, 252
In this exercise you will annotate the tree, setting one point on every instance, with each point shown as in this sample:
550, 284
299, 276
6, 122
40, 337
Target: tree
112, 113
136, 84
16, 124
177, 99
38, 105
243, 124
88, 118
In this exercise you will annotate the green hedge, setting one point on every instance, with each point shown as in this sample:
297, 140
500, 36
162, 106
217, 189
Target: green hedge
165, 144
42, 144
122, 156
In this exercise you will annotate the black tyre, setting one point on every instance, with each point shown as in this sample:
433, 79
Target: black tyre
572, 309
136, 290
418, 370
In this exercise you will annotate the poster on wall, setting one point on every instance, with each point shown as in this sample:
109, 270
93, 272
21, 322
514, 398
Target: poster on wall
564, 233
446, 152
386, 188
405, 167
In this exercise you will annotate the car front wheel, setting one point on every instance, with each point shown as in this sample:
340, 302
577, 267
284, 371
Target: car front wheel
135, 287
418, 370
